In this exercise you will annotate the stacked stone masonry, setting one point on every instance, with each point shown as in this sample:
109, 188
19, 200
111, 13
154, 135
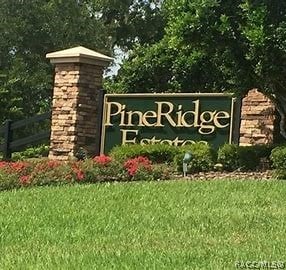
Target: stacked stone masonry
257, 119
74, 110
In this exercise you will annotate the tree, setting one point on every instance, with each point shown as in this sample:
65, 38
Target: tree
214, 46
30, 29
133, 21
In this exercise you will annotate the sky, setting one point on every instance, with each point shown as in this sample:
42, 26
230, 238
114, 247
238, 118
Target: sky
119, 55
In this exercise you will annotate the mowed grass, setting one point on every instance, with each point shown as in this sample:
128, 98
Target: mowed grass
143, 225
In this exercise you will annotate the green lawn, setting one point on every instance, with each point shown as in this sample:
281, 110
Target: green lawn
144, 225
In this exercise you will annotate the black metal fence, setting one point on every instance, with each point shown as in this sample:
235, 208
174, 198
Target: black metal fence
10, 143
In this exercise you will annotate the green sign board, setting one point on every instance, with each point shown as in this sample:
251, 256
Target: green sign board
175, 119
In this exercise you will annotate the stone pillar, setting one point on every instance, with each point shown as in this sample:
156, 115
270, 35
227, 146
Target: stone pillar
76, 101
257, 119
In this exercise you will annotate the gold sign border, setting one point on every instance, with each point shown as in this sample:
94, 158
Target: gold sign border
165, 95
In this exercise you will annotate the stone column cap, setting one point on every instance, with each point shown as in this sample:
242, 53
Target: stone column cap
79, 55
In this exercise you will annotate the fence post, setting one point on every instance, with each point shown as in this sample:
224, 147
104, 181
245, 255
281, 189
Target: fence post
7, 153
101, 95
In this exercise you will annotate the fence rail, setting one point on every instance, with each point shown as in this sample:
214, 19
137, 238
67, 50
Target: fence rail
11, 145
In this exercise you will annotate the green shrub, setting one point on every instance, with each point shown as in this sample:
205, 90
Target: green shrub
32, 152
234, 157
49, 172
157, 153
161, 153
278, 158
228, 156
248, 158
8, 180
202, 159
124, 152
103, 171
263, 150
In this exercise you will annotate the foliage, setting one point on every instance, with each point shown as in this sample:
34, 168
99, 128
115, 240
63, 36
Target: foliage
103, 168
263, 150
14, 174
135, 164
123, 152
140, 168
248, 158
278, 158
49, 172
234, 157
132, 21
231, 156
158, 153
202, 157
228, 157
8, 180
32, 152
214, 46
30, 29
99, 169
102, 160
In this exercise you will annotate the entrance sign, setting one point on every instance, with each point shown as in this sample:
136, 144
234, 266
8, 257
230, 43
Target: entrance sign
175, 119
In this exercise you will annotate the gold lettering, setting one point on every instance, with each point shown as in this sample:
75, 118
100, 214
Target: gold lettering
131, 114
188, 142
177, 142
167, 114
206, 118
179, 116
154, 141
195, 114
149, 114
206, 121
124, 136
221, 115
122, 118
197, 111
109, 114
183, 120
145, 141
166, 142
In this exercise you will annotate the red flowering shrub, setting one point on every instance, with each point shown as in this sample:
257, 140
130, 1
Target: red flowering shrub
48, 172
78, 172
133, 165
14, 174
47, 165
25, 179
102, 160
53, 164
103, 169
99, 169
19, 166
3, 164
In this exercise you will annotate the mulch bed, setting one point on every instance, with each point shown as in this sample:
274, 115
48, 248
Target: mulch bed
236, 175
